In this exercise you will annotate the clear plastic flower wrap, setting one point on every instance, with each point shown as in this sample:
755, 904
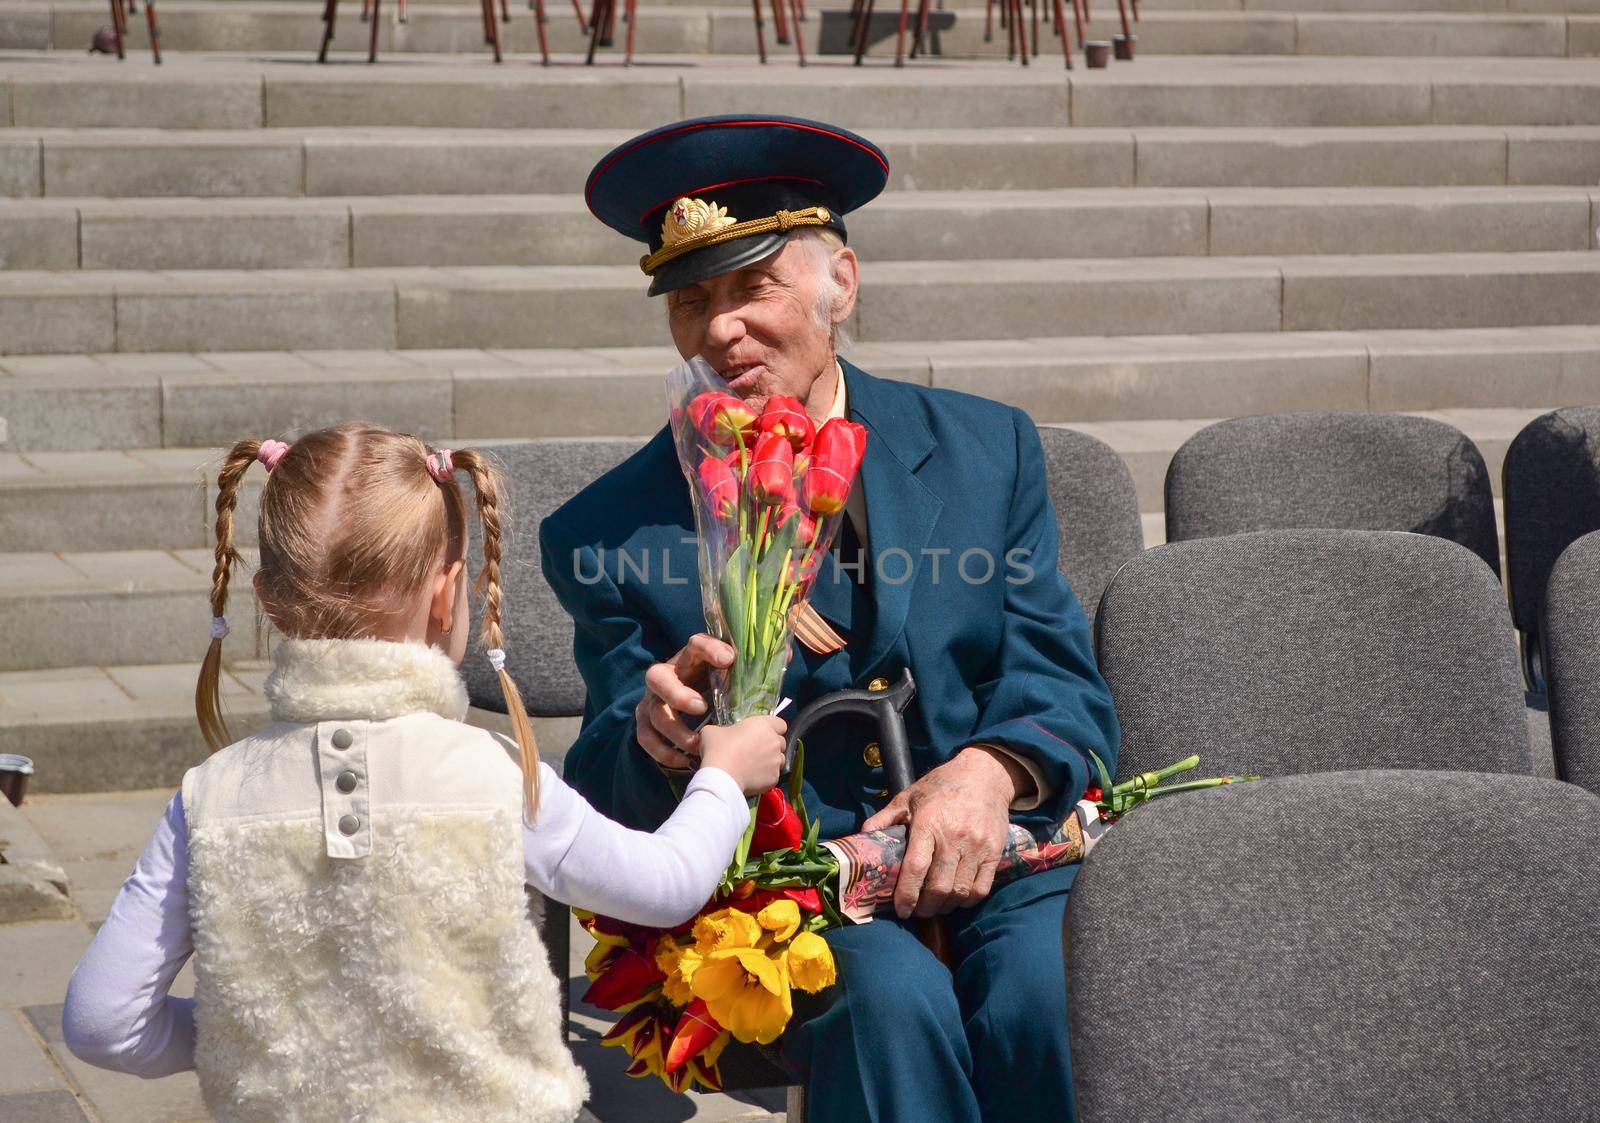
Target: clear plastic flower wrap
769, 491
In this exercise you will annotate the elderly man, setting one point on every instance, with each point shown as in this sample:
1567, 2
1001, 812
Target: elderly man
946, 565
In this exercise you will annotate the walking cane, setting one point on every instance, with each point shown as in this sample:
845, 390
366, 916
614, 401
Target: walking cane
887, 709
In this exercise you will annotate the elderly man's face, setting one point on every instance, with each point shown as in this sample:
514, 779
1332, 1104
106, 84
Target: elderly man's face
763, 327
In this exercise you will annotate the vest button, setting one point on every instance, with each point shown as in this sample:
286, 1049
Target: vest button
349, 824
873, 755
342, 739
346, 782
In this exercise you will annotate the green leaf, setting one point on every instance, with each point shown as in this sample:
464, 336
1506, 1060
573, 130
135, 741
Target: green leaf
734, 575
1100, 767
796, 777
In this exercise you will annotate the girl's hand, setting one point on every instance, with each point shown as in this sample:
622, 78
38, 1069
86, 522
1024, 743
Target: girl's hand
751, 751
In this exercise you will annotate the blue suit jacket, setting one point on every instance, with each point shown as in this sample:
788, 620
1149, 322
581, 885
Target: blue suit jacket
1002, 657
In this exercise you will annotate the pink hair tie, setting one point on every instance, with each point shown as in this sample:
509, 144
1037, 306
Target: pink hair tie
441, 464
271, 452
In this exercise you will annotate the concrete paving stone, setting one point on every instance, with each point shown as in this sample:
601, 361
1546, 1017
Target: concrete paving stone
53, 366
1351, 100
223, 234
1431, 220
119, 1098
1144, 383
1499, 101
28, 693
37, 959
39, 572
355, 360
1439, 291
516, 308
80, 410
152, 362
24, 1067
45, 313
38, 236
874, 98
517, 402
1431, 33
25, 28
113, 512
110, 624
1583, 36
141, 162
186, 314
1007, 158
42, 1107
1511, 369
220, 409
475, 96
21, 166
1332, 157
918, 300
1553, 156
538, 230
135, 97
454, 161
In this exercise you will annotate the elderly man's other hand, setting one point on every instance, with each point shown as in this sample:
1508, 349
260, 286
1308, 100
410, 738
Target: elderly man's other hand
958, 815
677, 687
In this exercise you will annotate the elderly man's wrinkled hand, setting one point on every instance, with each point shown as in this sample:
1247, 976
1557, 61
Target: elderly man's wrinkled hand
958, 815
677, 687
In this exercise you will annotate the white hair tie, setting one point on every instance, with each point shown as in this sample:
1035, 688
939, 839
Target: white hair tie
219, 627
497, 659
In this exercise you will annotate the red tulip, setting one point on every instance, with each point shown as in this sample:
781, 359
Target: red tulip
836, 454
629, 979
806, 531
772, 469
695, 1030
720, 485
789, 419
808, 899
777, 825
720, 417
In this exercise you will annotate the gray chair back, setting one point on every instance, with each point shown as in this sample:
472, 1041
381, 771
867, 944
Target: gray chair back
1551, 485
1342, 946
1571, 631
1338, 470
538, 476
1312, 651
1097, 510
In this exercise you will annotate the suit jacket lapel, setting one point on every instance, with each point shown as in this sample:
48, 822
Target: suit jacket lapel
901, 510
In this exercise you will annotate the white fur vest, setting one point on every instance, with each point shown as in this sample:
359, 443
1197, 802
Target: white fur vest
362, 943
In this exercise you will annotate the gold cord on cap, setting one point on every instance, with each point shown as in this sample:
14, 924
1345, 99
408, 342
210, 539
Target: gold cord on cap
693, 224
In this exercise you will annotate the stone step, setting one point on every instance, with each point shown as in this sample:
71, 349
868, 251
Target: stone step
121, 163
531, 230
605, 306
107, 608
956, 30
39, 25
249, 91
163, 498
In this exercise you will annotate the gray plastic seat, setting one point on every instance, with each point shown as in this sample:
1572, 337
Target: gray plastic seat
1097, 510
1551, 484
1336, 470
1376, 945
1571, 630
539, 476
1312, 651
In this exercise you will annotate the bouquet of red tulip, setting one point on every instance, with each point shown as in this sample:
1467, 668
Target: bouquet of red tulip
768, 492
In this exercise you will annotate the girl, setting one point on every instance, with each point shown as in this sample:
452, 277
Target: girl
351, 879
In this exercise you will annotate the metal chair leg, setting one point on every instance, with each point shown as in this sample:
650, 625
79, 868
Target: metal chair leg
493, 27
155, 30
761, 33
1061, 29
797, 11
1034, 6
329, 12
372, 39
119, 21
596, 27
633, 23
544, 39
918, 40
583, 21
780, 20
863, 22
1122, 11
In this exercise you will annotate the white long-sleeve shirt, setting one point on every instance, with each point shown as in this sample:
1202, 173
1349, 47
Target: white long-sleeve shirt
118, 1013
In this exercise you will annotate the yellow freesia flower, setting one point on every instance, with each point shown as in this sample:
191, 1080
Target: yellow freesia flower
747, 991
810, 963
724, 929
781, 918
679, 963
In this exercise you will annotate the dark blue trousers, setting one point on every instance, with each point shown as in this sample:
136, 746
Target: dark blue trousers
900, 1039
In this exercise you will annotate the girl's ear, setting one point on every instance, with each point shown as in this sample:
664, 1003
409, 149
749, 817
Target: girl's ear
442, 608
